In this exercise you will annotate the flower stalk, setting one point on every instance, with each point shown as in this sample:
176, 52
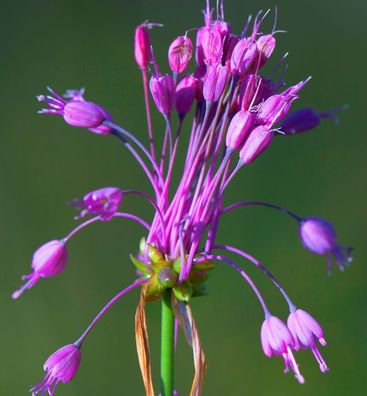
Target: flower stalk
167, 345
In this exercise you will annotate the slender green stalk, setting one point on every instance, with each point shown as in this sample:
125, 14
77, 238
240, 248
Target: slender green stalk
167, 345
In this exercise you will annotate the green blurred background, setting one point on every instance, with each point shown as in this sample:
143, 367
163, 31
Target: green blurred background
44, 163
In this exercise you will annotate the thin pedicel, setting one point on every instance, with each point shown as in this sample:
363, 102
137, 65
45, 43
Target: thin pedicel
238, 112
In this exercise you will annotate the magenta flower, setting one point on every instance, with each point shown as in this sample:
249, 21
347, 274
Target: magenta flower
306, 332
277, 340
236, 111
179, 54
104, 202
76, 111
49, 260
319, 237
61, 366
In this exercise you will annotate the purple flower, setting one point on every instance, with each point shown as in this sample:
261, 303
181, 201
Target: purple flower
244, 57
61, 366
266, 45
77, 112
239, 129
319, 236
104, 202
49, 260
163, 92
186, 92
257, 142
276, 340
211, 42
142, 46
306, 332
179, 54
215, 82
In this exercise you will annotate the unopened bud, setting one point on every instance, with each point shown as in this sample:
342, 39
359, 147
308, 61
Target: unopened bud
258, 141
179, 54
186, 92
266, 45
142, 46
239, 129
163, 92
215, 82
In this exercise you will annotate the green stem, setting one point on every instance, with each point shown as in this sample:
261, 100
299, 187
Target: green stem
167, 345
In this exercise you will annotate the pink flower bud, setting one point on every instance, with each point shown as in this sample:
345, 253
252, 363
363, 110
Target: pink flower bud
277, 340
142, 46
186, 92
243, 57
83, 114
48, 260
266, 45
212, 45
319, 237
163, 89
258, 141
104, 202
77, 111
274, 109
215, 82
179, 54
306, 331
239, 129
61, 366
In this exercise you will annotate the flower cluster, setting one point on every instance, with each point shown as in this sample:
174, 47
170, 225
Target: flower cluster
238, 113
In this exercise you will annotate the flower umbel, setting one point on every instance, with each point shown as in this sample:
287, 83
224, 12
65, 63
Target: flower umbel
238, 110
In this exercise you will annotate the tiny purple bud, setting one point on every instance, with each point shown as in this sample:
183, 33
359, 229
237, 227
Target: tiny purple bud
212, 45
163, 92
258, 141
243, 57
104, 202
48, 260
319, 236
239, 129
77, 111
215, 82
266, 45
179, 54
248, 91
61, 366
300, 121
186, 92
142, 46
306, 331
277, 340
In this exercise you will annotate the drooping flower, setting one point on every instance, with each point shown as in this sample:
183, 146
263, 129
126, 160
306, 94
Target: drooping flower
319, 237
77, 111
186, 92
163, 92
257, 142
49, 260
103, 202
306, 332
277, 340
61, 366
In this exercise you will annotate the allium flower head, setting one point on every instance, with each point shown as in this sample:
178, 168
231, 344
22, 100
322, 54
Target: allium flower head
306, 332
319, 236
61, 366
103, 202
48, 260
237, 109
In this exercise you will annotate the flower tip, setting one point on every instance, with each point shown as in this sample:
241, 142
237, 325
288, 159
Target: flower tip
41, 98
300, 379
324, 368
322, 341
16, 294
